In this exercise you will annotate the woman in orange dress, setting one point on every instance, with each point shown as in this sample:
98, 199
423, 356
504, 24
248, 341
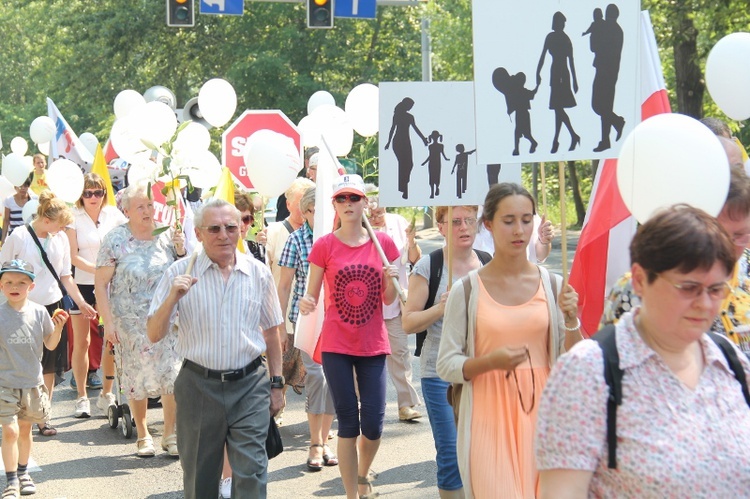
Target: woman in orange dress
519, 321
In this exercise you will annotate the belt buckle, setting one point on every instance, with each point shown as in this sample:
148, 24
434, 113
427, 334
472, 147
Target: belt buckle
230, 375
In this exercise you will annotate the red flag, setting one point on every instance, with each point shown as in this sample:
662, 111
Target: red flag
602, 254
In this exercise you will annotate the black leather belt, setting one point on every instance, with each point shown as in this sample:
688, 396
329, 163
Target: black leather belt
224, 376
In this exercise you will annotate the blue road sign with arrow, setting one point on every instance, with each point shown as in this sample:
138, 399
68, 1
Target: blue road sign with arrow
354, 8
226, 7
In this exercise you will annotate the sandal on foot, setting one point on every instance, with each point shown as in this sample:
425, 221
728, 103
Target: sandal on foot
46, 430
315, 463
27, 485
366, 480
12, 491
169, 444
329, 458
145, 447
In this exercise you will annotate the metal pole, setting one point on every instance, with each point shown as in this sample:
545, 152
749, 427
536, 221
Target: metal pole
428, 222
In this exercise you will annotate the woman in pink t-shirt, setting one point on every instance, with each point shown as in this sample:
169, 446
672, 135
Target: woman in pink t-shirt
354, 337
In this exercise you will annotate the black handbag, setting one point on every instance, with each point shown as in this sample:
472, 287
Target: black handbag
274, 445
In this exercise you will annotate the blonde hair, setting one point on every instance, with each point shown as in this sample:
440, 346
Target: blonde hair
299, 186
93, 181
243, 201
441, 211
54, 209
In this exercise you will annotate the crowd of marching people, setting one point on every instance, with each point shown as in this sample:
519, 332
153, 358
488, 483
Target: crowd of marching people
521, 402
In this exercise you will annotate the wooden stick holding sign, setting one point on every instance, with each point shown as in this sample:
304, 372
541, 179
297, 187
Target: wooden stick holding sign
449, 245
544, 189
563, 223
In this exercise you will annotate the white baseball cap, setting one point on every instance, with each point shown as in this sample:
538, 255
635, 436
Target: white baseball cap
349, 183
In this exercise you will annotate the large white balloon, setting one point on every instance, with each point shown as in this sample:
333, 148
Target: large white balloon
204, 169
141, 168
29, 210
273, 162
335, 128
43, 148
6, 188
157, 121
320, 98
728, 75
65, 180
309, 129
126, 102
125, 137
42, 129
19, 145
362, 109
217, 101
89, 141
16, 169
670, 159
193, 137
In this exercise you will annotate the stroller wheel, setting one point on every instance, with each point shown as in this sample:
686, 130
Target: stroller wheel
127, 421
113, 416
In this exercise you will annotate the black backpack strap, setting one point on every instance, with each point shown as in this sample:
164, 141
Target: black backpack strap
483, 256
613, 376
436, 272
734, 362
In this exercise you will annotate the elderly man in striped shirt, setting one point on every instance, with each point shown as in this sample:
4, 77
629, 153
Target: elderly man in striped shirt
227, 313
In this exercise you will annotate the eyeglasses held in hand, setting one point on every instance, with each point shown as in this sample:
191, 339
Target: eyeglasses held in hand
469, 221
692, 290
518, 388
98, 193
215, 229
342, 198
248, 219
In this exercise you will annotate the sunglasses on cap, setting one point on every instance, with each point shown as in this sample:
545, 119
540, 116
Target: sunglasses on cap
98, 193
342, 198
215, 229
248, 219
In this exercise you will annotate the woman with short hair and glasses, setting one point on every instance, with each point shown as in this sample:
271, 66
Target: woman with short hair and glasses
518, 322
130, 263
93, 218
354, 337
683, 425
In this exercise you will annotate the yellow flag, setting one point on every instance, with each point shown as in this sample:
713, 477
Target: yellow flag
225, 190
100, 168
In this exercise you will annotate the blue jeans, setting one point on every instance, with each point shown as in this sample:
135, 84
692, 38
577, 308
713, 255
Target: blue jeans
443, 432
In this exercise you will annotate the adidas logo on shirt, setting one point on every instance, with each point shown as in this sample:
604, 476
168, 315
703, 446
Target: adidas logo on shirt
20, 338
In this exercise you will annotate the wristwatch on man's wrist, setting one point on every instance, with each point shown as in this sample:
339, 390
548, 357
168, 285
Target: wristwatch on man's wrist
277, 382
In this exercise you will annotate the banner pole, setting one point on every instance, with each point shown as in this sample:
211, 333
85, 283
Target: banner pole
563, 223
449, 245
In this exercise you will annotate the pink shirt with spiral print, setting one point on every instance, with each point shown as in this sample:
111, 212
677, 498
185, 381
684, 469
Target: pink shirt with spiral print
353, 278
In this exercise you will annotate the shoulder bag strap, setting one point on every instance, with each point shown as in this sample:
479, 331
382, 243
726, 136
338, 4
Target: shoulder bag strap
607, 340
288, 225
734, 362
45, 259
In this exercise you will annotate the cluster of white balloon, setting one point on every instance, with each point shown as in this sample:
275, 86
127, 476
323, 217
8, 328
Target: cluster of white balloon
141, 128
728, 75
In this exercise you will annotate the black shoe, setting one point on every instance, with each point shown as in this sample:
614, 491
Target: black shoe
555, 145
603, 146
575, 142
619, 126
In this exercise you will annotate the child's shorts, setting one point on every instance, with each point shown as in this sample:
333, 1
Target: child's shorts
29, 404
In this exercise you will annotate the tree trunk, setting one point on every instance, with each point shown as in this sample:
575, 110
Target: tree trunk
689, 80
577, 200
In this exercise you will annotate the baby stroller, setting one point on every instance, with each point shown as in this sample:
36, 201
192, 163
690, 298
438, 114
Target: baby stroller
121, 410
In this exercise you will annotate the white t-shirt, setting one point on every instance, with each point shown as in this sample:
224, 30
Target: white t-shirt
89, 236
395, 227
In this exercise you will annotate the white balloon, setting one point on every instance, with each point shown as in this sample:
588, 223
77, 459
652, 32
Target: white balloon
142, 168
272, 161
158, 122
29, 210
16, 169
309, 129
65, 180
362, 109
670, 159
217, 101
42, 129
43, 148
205, 170
19, 145
126, 102
728, 77
335, 128
125, 137
319, 98
194, 137
89, 141
6, 188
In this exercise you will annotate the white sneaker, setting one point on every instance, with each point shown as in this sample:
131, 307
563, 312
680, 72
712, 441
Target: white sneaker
104, 400
225, 488
83, 408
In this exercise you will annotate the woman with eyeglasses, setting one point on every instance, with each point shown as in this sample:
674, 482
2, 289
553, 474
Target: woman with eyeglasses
130, 262
501, 348
93, 218
354, 338
243, 201
733, 320
683, 426
416, 318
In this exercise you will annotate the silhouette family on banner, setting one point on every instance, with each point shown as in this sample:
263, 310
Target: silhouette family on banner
605, 41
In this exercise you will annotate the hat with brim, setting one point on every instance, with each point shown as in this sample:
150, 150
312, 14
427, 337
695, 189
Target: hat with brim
349, 184
18, 266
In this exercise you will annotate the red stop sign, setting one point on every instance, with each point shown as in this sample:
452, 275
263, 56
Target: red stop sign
234, 138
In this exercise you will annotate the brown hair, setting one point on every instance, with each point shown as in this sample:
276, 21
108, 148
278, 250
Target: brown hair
498, 192
737, 205
682, 238
441, 211
93, 181
243, 201
53, 208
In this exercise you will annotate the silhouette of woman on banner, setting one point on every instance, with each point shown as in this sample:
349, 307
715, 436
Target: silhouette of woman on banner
400, 134
607, 49
561, 97
435, 163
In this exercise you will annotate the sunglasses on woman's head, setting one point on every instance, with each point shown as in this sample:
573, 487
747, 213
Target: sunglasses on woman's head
342, 198
98, 193
248, 219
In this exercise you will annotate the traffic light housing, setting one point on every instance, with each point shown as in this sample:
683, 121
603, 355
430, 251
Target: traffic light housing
320, 13
181, 13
